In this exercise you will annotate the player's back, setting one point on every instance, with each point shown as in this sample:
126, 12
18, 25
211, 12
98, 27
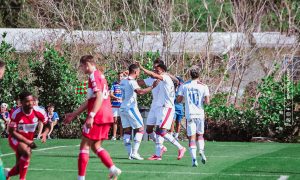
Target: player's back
155, 92
194, 93
128, 93
166, 92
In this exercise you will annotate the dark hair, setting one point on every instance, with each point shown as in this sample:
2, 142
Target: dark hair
87, 58
51, 105
2, 64
158, 61
132, 68
24, 95
162, 66
194, 73
120, 72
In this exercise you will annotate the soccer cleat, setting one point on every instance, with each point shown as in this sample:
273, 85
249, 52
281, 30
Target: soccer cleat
136, 156
203, 158
195, 163
48, 136
163, 150
6, 171
181, 153
113, 138
154, 158
113, 175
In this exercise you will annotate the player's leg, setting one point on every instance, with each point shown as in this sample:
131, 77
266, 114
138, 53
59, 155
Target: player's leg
127, 130
13, 143
115, 128
105, 158
52, 124
166, 114
136, 122
151, 122
200, 139
40, 129
83, 157
177, 125
191, 133
120, 128
25, 153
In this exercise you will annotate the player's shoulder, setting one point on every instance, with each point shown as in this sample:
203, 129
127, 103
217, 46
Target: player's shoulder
16, 112
96, 74
38, 109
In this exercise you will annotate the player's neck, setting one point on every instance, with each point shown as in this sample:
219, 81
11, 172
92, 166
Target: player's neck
27, 111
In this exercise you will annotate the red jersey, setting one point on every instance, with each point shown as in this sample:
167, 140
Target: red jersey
97, 82
26, 124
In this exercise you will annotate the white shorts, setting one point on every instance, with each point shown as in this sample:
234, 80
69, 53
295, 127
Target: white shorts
131, 117
195, 126
161, 116
116, 112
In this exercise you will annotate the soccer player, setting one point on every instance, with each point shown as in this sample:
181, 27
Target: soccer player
130, 115
116, 95
23, 123
165, 110
98, 122
196, 94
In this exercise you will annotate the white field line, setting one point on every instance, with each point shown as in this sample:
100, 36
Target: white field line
42, 149
159, 172
283, 177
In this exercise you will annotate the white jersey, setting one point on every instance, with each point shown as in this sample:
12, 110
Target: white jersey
193, 92
149, 82
166, 93
128, 87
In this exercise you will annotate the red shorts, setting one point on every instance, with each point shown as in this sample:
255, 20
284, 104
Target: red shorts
97, 132
13, 143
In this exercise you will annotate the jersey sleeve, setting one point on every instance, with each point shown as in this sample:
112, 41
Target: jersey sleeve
13, 123
96, 80
149, 81
55, 116
206, 91
134, 85
41, 114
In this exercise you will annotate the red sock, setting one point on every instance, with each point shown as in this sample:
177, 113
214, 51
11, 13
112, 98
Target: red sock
83, 159
23, 167
14, 171
105, 157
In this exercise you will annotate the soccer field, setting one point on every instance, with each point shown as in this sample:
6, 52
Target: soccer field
57, 159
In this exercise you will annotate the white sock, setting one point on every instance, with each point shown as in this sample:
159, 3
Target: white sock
172, 140
176, 135
81, 178
127, 143
193, 149
159, 144
153, 136
137, 141
200, 144
111, 169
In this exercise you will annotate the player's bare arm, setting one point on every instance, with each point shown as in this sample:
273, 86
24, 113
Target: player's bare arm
71, 116
113, 96
13, 132
141, 82
179, 99
150, 73
148, 89
206, 100
97, 105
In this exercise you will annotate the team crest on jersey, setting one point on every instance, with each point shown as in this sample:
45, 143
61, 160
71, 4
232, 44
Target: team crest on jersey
21, 121
35, 119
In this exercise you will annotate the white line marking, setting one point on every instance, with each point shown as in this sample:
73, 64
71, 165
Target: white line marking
159, 172
42, 149
283, 177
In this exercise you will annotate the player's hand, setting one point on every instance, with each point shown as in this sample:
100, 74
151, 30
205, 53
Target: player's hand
89, 122
69, 117
32, 145
155, 83
44, 138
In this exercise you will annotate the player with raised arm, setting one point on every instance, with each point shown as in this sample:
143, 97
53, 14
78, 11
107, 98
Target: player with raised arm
98, 122
23, 123
130, 115
196, 94
165, 110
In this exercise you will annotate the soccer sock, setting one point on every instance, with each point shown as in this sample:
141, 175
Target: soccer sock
14, 171
105, 157
158, 144
137, 141
172, 140
176, 135
83, 159
127, 144
153, 136
23, 167
200, 143
193, 149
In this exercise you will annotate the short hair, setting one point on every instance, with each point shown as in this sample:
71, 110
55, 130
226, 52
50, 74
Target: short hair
87, 58
24, 95
194, 73
51, 105
162, 66
158, 61
132, 68
119, 72
2, 64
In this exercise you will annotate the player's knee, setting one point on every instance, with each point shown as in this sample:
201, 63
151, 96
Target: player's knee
140, 130
200, 137
161, 132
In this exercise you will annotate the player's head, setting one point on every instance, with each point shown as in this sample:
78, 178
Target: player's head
120, 76
87, 64
134, 70
35, 101
4, 107
2, 69
160, 68
194, 73
157, 62
51, 108
27, 100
